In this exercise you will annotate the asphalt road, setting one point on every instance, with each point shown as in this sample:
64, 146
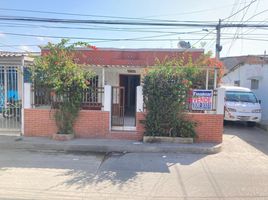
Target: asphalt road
240, 171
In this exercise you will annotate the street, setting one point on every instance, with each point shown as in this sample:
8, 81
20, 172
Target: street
240, 171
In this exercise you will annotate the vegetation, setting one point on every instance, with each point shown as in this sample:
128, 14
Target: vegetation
166, 88
57, 71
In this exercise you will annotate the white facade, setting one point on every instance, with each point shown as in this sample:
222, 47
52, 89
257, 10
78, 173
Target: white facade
111, 74
255, 77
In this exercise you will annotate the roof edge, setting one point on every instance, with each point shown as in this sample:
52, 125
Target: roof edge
138, 49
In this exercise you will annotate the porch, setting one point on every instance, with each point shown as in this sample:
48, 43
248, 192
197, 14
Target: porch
106, 122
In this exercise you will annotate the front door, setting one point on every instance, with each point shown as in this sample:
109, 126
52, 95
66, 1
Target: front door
118, 106
124, 103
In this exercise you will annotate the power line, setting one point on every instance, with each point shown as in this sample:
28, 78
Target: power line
237, 30
111, 22
128, 23
22, 25
86, 38
151, 40
245, 7
109, 16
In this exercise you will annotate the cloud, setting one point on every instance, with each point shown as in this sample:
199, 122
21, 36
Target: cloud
42, 39
25, 48
2, 34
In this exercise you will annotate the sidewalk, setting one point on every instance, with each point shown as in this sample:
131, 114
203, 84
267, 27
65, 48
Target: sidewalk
104, 146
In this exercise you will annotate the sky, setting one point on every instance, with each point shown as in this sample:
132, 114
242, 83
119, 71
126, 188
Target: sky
254, 41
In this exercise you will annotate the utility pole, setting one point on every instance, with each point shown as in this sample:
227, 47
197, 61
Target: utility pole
218, 40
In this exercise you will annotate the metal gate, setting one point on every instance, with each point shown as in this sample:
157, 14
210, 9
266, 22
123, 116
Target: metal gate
10, 99
118, 106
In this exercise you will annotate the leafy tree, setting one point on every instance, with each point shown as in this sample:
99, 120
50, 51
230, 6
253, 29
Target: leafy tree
57, 70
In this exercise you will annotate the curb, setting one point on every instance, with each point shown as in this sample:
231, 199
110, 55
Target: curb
105, 147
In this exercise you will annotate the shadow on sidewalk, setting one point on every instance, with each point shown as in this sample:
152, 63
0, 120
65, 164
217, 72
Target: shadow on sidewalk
120, 169
85, 170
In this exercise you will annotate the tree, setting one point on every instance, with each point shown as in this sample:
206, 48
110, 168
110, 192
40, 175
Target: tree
67, 80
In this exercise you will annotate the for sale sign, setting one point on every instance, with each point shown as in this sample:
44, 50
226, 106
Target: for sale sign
202, 100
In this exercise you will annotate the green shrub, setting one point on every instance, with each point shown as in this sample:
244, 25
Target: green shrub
165, 90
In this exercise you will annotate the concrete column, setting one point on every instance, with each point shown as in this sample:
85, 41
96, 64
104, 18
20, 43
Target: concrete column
26, 102
139, 103
27, 95
107, 103
220, 101
103, 76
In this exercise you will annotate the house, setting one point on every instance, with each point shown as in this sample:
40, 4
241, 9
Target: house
252, 72
123, 69
114, 108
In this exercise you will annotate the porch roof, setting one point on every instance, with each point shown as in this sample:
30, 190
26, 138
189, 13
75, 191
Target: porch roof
15, 59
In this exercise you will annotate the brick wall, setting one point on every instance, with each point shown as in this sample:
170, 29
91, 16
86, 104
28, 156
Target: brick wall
39, 122
95, 124
209, 127
90, 123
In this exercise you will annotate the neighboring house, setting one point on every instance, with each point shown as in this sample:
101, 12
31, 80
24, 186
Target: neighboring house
251, 72
11, 88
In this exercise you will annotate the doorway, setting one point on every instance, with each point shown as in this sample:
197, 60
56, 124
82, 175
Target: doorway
129, 82
126, 96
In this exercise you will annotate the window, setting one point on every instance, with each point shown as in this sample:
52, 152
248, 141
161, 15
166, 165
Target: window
237, 96
237, 83
254, 84
91, 94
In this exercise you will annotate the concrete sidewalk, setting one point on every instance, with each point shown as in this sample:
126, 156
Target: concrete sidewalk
104, 145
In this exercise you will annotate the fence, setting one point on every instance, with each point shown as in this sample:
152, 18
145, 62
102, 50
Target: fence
44, 97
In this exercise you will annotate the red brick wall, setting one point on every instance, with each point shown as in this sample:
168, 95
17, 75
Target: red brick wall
90, 123
95, 124
139, 126
209, 127
39, 122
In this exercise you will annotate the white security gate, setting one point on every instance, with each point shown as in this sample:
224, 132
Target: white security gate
10, 99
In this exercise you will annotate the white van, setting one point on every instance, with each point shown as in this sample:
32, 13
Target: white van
241, 104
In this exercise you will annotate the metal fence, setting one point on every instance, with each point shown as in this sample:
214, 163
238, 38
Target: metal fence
93, 98
10, 99
44, 97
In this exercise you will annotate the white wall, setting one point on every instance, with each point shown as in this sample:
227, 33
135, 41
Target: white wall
247, 72
112, 74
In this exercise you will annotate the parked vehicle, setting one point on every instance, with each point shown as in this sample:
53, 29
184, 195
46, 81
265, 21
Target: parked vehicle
241, 104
